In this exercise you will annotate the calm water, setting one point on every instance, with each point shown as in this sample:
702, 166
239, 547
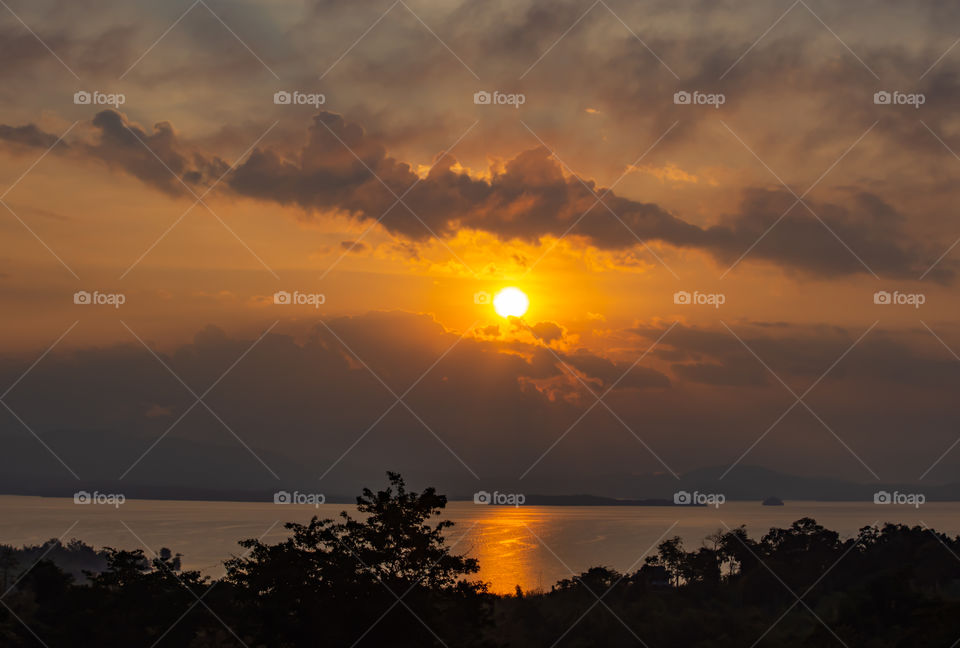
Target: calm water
530, 546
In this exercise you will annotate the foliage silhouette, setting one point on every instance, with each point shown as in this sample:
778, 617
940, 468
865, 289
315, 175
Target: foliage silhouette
388, 578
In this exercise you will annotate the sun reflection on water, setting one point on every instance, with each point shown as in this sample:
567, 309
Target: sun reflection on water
504, 542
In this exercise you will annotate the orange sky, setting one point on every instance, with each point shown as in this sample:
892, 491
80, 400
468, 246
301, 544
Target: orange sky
797, 200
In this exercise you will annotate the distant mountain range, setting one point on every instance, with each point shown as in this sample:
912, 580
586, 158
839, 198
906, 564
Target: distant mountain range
178, 468
755, 483
589, 500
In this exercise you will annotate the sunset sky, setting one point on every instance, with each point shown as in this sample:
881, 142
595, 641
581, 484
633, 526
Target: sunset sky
403, 202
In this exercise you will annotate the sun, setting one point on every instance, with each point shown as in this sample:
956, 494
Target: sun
511, 302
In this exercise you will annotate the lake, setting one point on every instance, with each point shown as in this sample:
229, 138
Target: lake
530, 546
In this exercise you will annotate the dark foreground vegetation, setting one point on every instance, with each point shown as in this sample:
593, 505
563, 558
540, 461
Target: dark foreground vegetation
388, 579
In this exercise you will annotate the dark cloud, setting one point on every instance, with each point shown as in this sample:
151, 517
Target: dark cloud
28, 135
353, 246
608, 372
547, 331
826, 239
19, 49
499, 405
157, 157
714, 356
101, 49
340, 168
721, 375
310, 400
491, 331
532, 198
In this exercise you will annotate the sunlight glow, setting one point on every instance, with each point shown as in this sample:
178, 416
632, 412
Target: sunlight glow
511, 302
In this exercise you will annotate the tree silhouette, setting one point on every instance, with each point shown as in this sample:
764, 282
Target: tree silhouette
389, 576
